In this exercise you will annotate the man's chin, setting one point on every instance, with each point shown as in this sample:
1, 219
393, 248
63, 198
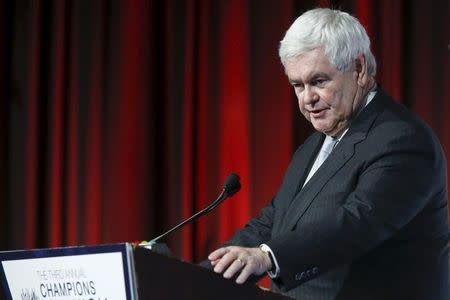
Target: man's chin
328, 129
322, 128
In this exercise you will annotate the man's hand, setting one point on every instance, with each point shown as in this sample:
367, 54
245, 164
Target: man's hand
233, 259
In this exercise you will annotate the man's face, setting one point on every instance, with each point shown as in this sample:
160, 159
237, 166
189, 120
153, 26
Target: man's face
326, 96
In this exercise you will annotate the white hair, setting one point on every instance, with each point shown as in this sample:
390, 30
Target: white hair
340, 35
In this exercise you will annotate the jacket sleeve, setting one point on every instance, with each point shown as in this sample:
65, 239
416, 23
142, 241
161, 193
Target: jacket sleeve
259, 230
256, 231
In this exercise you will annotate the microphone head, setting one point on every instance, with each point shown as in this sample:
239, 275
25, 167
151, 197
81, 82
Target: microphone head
232, 184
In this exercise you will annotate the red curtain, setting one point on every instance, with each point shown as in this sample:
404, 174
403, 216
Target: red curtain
119, 119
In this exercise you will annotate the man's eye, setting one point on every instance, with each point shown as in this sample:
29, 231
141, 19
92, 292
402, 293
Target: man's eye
319, 82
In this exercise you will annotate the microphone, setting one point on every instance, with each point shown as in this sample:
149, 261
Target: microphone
230, 187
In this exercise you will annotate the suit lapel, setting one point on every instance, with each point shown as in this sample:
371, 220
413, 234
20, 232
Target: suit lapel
301, 172
340, 155
296, 174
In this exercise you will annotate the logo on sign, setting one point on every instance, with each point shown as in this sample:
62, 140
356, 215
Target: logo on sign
28, 294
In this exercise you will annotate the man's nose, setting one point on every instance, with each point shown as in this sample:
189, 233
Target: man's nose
311, 95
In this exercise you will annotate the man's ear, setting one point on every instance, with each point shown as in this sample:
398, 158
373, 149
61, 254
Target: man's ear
361, 73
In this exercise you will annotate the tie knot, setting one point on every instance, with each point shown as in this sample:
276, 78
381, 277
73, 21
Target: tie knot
329, 143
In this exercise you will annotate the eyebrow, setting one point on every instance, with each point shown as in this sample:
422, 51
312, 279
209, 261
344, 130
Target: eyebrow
312, 77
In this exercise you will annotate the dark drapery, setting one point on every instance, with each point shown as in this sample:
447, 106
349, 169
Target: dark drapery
120, 118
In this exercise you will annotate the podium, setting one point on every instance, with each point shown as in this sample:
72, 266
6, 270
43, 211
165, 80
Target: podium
108, 272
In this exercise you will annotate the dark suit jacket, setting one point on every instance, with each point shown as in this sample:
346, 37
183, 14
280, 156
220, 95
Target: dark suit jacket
372, 223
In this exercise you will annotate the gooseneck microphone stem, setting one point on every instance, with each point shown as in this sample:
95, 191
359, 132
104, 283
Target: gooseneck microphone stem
231, 187
192, 218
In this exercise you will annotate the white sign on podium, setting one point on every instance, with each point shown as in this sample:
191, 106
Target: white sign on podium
83, 273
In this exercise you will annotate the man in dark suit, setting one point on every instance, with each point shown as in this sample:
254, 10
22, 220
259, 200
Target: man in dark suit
362, 211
